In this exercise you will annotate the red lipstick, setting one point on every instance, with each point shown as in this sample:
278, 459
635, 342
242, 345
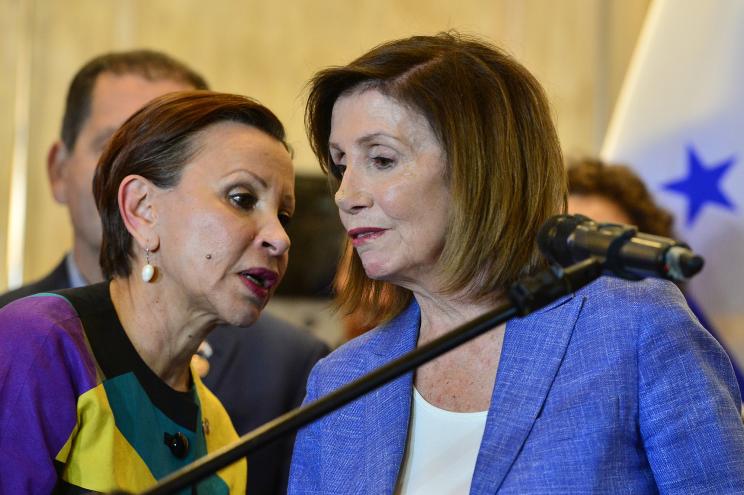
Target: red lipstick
259, 280
362, 235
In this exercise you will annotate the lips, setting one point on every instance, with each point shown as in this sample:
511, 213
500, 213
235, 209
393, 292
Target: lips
362, 235
259, 280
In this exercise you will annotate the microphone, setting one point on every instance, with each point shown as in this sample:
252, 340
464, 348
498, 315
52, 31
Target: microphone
624, 252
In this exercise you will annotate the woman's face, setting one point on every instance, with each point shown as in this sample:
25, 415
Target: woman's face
597, 208
393, 199
223, 246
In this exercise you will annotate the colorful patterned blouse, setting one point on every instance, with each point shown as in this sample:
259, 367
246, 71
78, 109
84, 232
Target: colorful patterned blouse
80, 410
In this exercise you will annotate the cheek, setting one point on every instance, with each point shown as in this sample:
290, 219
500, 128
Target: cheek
200, 237
81, 177
400, 199
283, 262
421, 201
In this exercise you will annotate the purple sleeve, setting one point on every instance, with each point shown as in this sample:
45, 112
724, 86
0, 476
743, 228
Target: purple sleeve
44, 367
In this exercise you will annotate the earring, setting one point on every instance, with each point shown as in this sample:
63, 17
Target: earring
148, 271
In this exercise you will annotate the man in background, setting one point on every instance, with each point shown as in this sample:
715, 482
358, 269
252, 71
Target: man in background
257, 373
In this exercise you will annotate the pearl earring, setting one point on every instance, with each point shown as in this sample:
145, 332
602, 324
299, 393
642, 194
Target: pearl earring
148, 271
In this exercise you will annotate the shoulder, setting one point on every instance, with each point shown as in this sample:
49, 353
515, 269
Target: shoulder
56, 279
636, 317
650, 322
644, 301
36, 315
370, 350
43, 351
611, 323
39, 329
648, 290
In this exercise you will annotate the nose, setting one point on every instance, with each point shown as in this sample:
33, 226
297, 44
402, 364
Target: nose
352, 194
274, 238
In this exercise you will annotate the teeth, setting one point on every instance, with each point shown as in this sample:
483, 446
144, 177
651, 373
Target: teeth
256, 280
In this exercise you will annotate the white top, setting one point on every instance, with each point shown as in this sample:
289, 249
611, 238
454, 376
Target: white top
441, 451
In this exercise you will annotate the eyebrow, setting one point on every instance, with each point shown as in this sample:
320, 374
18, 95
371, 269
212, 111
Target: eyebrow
241, 171
366, 139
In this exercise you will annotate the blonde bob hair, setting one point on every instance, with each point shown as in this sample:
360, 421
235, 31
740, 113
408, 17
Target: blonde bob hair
504, 164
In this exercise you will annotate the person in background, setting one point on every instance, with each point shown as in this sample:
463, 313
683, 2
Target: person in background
446, 163
257, 373
614, 193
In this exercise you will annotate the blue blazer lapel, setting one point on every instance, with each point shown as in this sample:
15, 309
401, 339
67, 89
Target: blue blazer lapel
533, 350
387, 409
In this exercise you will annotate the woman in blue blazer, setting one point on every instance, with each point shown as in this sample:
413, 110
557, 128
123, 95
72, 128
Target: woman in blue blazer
446, 162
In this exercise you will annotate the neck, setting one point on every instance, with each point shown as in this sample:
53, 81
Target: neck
443, 313
462, 379
164, 334
86, 260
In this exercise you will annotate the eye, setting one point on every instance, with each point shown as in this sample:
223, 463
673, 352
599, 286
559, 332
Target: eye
382, 162
335, 155
382, 157
243, 200
338, 170
285, 219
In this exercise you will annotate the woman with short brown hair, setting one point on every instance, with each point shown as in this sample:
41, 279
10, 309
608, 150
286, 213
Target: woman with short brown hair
504, 166
446, 163
97, 390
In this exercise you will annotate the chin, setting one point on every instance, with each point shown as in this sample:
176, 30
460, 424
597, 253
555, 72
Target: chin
243, 315
383, 276
242, 320
375, 270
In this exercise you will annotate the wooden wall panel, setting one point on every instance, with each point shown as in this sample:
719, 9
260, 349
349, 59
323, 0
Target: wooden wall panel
577, 48
9, 37
65, 35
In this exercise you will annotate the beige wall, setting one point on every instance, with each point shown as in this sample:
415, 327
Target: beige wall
579, 49
8, 48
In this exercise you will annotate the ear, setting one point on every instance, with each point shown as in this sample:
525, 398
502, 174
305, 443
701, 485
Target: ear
137, 210
57, 171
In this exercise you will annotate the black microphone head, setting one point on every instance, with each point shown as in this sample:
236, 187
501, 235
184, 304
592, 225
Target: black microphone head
680, 263
552, 238
691, 264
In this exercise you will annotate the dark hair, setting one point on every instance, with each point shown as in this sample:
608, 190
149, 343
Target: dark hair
619, 184
151, 65
504, 164
156, 143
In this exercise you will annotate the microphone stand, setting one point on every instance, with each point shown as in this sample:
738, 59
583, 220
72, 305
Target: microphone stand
525, 296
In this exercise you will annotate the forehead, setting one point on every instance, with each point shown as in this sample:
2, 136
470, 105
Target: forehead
369, 110
115, 97
598, 208
226, 148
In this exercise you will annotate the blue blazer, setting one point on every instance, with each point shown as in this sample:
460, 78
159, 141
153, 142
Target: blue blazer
616, 389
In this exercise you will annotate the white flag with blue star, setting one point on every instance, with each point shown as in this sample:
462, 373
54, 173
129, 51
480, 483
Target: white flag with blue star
679, 123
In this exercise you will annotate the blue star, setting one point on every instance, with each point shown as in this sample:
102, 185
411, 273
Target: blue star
702, 185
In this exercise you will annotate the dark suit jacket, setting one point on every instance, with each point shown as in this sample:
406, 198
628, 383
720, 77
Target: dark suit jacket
258, 373
59, 278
